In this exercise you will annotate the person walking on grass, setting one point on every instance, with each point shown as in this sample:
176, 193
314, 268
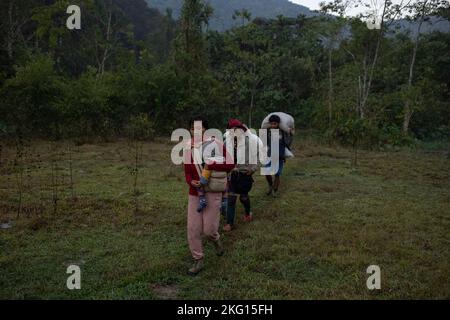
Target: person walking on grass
241, 180
274, 182
206, 222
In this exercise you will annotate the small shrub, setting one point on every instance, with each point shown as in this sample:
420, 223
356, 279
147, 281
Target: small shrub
140, 127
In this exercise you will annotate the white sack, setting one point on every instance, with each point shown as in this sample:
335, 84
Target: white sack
287, 122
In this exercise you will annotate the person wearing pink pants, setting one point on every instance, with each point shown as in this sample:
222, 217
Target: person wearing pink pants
203, 224
206, 222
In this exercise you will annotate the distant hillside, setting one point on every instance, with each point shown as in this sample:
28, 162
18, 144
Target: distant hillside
431, 24
145, 20
224, 9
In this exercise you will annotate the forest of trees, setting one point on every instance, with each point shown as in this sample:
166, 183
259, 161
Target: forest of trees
134, 69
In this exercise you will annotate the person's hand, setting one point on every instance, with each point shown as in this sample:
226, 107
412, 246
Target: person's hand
248, 172
195, 183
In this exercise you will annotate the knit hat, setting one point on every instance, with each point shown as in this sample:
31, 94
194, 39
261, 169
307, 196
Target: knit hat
235, 123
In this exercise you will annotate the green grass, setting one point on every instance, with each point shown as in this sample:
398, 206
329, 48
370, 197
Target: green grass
329, 223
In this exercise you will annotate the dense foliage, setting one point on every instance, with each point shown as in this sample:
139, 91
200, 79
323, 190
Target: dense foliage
130, 65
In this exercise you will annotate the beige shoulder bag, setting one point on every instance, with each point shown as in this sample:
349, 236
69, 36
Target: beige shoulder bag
218, 180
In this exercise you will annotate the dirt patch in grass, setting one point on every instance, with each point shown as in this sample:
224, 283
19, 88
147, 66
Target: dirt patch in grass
165, 292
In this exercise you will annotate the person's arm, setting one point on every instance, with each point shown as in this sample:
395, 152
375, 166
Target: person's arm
282, 146
251, 169
188, 174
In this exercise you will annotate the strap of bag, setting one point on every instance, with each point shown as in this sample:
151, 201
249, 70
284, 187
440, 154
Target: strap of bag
197, 165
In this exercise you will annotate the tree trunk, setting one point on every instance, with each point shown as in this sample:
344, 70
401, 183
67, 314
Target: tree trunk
407, 116
368, 84
330, 90
251, 109
106, 51
408, 111
362, 86
10, 36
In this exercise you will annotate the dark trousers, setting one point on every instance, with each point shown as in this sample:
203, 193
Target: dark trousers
240, 186
231, 209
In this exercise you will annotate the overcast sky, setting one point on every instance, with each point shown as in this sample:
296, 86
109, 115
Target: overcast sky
314, 4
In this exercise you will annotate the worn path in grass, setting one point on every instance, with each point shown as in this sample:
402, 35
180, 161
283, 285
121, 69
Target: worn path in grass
329, 223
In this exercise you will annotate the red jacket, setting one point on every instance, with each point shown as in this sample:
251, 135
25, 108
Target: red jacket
191, 173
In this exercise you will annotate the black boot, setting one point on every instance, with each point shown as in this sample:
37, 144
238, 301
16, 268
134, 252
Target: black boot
270, 192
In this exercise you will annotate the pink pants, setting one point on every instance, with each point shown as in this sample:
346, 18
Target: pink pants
203, 223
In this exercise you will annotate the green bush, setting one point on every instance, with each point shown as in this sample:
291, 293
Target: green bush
30, 101
140, 127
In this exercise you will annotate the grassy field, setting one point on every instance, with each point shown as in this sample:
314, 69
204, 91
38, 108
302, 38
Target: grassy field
330, 222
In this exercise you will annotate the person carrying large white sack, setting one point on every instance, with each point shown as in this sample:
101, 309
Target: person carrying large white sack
285, 124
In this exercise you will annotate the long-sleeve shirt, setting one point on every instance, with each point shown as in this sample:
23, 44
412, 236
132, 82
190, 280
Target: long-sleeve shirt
249, 151
191, 173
